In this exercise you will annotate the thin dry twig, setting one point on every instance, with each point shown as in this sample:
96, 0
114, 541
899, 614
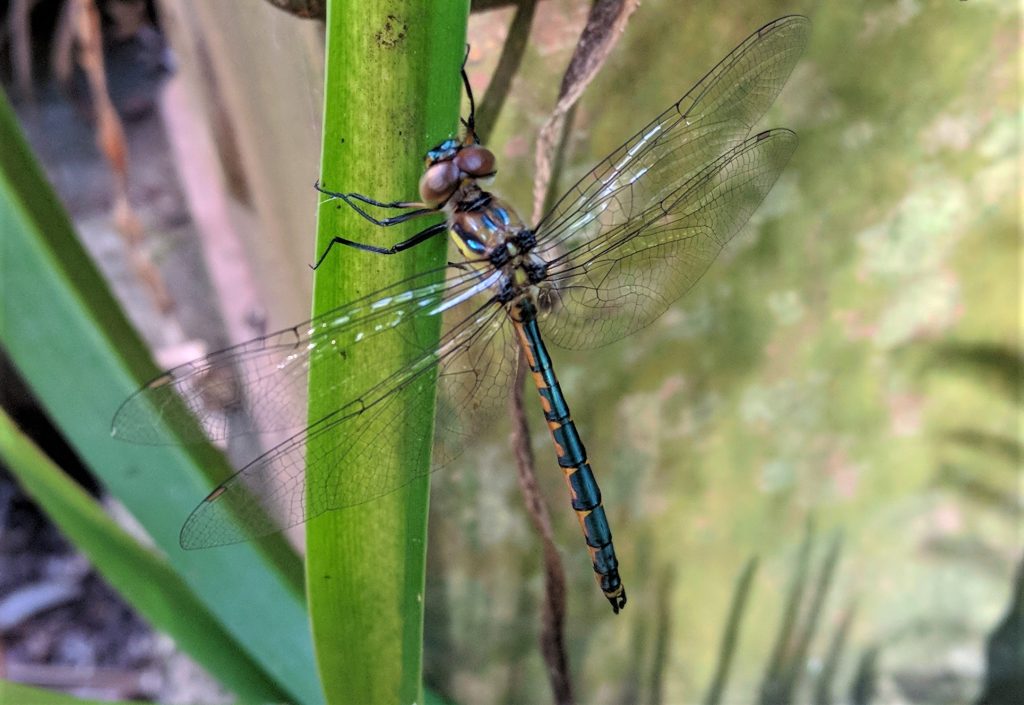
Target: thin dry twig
508, 65
111, 141
485, 5
552, 637
558, 161
604, 26
306, 9
126, 18
18, 14
62, 49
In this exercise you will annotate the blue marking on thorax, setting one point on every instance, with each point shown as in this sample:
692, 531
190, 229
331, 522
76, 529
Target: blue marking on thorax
488, 223
471, 242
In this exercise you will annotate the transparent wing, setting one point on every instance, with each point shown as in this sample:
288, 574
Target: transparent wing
609, 286
474, 387
273, 492
267, 377
712, 118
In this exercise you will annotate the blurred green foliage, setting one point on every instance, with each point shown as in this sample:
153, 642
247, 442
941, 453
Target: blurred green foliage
854, 358
862, 335
74, 347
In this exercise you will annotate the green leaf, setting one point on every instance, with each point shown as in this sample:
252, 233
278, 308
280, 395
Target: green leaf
392, 92
143, 578
26, 695
78, 353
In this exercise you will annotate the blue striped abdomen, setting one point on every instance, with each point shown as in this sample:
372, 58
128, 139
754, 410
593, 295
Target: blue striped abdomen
572, 457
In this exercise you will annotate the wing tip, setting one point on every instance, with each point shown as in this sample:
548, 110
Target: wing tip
195, 532
802, 22
773, 133
126, 429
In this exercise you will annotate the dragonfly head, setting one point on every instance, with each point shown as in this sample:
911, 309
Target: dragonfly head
451, 163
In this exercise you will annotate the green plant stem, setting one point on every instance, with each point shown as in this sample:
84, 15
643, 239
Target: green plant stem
391, 92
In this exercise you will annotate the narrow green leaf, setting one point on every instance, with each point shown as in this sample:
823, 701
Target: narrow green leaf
18, 694
1004, 650
74, 347
392, 92
730, 635
144, 579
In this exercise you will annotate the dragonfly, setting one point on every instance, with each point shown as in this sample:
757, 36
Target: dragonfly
627, 240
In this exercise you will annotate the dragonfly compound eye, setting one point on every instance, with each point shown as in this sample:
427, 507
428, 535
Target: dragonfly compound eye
438, 182
475, 161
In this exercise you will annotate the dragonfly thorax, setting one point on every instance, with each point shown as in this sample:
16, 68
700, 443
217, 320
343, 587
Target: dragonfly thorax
484, 227
489, 233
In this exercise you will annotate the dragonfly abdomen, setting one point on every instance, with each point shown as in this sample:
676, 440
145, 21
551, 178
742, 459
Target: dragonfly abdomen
572, 457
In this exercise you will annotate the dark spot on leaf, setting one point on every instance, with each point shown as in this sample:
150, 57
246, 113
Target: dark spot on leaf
393, 32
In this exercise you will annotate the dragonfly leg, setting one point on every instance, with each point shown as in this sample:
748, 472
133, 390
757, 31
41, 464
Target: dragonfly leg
366, 199
469, 124
349, 198
416, 239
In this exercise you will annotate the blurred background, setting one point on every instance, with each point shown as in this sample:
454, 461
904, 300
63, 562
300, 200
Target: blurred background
811, 463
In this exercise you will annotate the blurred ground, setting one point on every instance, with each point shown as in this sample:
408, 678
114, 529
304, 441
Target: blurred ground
62, 627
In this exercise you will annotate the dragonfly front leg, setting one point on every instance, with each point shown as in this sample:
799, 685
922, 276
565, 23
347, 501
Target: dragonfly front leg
421, 208
416, 239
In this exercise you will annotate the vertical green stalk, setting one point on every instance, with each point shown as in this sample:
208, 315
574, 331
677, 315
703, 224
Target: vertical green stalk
392, 91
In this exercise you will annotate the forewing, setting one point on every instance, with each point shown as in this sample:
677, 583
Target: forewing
261, 385
271, 493
712, 118
612, 285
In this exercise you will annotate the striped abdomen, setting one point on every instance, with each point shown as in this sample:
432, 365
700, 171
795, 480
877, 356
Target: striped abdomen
572, 457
